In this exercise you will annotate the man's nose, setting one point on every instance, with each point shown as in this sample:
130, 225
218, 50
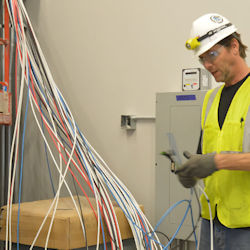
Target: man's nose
207, 64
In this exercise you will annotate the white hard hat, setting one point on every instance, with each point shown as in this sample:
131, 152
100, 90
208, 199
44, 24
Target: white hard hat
210, 28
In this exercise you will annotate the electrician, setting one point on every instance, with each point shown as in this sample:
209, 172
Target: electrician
224, 159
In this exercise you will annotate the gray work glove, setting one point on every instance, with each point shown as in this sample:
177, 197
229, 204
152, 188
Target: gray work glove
198, 166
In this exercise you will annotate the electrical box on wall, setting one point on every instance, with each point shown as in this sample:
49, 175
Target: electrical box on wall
196, 79
127, 122
177, 114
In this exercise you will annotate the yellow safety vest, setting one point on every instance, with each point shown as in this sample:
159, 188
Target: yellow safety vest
228, 190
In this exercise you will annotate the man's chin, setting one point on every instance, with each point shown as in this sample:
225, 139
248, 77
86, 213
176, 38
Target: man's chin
217, 77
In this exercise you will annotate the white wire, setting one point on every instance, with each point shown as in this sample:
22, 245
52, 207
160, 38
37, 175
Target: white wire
211, 218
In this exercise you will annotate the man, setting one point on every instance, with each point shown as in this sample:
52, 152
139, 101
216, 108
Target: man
225, 139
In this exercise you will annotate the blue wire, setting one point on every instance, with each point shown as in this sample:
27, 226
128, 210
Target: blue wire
21, 168
179, 227
170, 210
167, 212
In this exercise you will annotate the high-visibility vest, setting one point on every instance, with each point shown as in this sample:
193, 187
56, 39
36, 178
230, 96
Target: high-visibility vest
228, 190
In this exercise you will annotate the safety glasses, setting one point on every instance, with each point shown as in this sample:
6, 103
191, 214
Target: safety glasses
210, 56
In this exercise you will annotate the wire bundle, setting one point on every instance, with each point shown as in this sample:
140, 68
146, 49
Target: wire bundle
74, 152
75, 156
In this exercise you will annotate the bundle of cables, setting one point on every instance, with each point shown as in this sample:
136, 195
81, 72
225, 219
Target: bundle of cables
74, 152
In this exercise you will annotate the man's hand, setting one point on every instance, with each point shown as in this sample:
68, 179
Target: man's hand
186, 181
198, 166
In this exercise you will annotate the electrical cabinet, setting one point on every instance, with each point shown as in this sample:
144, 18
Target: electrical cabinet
177, 114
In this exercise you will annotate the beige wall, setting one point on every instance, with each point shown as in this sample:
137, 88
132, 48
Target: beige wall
110, 57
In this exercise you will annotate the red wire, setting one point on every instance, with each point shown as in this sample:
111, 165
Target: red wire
143, 229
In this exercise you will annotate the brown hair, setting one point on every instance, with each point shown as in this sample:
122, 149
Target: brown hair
227, 43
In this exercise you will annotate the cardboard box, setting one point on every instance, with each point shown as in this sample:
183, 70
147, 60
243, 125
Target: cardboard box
66, 231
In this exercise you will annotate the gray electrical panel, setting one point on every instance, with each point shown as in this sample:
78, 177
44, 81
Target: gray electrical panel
177, 114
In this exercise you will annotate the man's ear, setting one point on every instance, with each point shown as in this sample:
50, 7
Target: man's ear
235, 46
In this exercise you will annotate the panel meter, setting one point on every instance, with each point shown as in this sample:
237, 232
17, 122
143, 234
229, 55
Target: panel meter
196, 79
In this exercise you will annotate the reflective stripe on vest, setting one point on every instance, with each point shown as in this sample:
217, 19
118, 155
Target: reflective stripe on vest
229, 190
208, 102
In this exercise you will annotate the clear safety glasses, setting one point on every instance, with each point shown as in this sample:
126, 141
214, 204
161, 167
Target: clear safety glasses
210, 56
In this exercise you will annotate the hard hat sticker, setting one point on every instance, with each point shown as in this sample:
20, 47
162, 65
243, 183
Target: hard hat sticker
216, 19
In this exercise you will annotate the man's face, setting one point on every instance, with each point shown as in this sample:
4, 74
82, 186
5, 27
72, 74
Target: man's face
219, 62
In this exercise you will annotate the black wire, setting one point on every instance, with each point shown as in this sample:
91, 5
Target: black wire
159, 232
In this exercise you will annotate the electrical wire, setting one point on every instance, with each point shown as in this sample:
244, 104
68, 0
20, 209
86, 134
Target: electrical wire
98, 210
74, 154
